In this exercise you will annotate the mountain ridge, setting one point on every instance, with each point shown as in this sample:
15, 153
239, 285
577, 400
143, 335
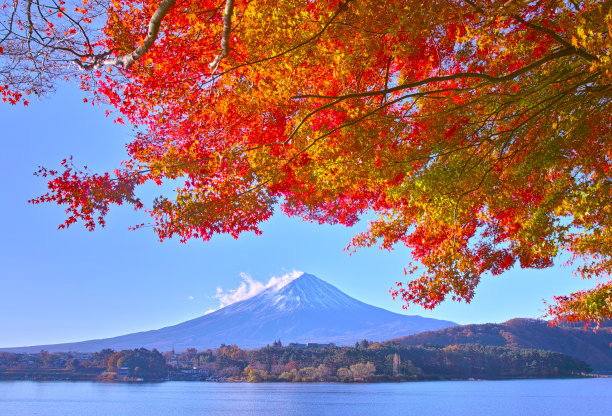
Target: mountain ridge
307, 309
591, 347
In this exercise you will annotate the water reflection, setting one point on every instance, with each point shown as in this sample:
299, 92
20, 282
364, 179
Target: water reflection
456, 398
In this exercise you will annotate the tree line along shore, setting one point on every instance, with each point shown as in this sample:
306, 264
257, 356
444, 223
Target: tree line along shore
364, 362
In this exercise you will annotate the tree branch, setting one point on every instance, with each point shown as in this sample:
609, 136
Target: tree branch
343, 6
30, 23
128, 59
461, 75
227, 29
579, 51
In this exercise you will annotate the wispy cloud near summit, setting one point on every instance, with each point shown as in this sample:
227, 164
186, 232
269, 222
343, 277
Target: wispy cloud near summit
250, 287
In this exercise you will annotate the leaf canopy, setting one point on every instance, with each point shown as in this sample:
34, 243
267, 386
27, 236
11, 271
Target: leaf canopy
478, 131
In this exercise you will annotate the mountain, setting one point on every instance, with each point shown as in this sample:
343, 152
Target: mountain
305, 310
594, 348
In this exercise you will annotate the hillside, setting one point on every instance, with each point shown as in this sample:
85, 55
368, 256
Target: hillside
591, 347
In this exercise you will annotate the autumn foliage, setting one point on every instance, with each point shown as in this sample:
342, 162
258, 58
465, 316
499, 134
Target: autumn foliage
478, 131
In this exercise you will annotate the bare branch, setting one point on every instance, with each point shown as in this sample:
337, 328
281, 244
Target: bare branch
227, 29
30, 23
128, 60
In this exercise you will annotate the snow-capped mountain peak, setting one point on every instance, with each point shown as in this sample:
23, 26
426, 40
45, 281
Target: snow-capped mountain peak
305, 292
306, 309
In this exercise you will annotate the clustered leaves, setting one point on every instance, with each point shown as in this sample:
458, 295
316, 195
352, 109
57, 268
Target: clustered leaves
479, 131
87, 196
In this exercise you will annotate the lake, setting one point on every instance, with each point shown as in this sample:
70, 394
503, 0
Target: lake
456, 398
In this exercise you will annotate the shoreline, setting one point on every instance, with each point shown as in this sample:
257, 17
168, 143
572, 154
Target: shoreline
244, 381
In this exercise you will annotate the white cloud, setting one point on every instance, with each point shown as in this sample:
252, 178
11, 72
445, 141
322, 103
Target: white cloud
190, 297
250, 287
210, 311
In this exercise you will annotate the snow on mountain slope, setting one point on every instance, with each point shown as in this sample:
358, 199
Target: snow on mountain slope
307, 309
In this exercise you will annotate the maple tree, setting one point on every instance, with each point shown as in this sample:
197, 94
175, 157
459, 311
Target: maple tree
478, 131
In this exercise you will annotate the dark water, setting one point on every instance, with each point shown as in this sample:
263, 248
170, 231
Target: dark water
456, 398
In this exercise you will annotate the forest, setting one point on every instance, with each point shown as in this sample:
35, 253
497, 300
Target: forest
364, 362
590, 346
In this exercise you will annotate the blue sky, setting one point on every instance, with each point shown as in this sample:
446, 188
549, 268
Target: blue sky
69, 285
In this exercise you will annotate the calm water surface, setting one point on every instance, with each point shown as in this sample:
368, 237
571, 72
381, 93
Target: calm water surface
456, 398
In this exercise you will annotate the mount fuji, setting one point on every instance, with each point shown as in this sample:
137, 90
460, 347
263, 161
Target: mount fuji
305, 310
